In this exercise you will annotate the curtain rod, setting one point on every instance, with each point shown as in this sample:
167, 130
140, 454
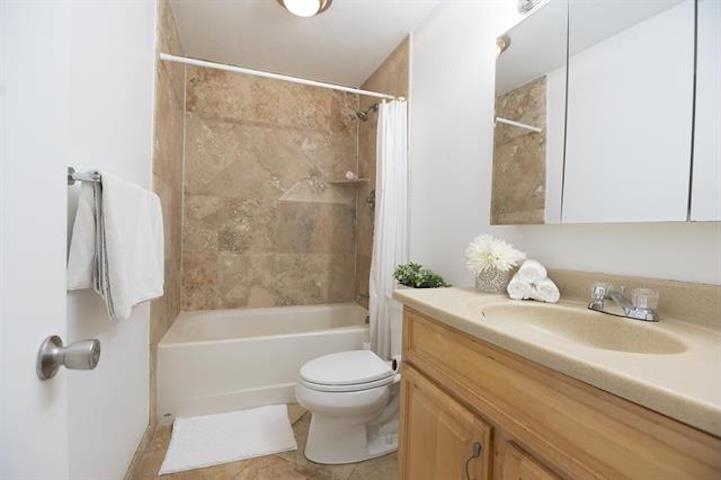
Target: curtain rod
259, 73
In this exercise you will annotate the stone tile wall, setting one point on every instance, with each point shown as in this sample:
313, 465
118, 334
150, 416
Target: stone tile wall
519, 157
167, 179
262, 224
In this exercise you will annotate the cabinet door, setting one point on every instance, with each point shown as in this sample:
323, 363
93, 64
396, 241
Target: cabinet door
518, 465
438, 434
629, 111
706, 184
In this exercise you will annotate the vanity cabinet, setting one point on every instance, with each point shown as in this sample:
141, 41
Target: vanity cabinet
441, 434
532, 423
518, 465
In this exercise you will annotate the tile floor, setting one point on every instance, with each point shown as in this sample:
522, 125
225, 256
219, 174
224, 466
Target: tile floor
282, 466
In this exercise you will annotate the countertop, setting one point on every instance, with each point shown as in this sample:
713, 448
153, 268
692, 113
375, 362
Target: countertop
685, 386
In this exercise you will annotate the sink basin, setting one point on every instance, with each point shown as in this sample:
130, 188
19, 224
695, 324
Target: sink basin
587, 328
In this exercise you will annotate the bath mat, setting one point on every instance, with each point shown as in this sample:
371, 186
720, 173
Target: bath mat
209, 440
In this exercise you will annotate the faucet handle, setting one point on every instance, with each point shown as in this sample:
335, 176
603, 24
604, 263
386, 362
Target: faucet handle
645, 298
600, 290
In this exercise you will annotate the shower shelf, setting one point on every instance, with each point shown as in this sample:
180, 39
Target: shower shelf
355, 181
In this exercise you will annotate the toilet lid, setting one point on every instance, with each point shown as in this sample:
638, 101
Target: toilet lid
346, 368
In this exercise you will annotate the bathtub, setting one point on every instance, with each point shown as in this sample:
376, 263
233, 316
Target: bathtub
221, 360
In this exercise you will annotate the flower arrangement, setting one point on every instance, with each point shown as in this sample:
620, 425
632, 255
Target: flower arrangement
418, 276
486, 252
491, 261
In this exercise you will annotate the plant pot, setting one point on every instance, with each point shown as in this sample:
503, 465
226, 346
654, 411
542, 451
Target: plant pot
492, 280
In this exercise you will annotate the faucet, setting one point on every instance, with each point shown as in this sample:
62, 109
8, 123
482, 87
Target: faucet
641, 308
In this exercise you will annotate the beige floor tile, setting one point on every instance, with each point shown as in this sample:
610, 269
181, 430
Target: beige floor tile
274, 467
295, 412
383, 468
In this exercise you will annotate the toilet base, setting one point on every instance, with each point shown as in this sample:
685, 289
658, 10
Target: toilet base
333, 441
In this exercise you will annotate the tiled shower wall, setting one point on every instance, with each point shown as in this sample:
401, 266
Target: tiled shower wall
519, 157
244, 169
167, 178
262, 224
390, 77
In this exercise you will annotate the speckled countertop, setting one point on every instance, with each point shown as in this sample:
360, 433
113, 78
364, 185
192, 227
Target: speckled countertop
684, 384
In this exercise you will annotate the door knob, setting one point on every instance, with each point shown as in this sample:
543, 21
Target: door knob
80, 355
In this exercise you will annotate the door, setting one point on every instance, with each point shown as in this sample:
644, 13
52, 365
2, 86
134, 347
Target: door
518, 465
440, 438
33, 413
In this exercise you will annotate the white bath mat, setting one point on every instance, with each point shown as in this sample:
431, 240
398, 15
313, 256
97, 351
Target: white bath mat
210, 440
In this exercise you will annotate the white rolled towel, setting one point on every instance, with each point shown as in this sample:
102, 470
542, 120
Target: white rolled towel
545, 291
519, 289
532, 271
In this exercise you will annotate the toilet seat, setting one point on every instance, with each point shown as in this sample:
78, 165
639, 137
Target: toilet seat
319, 387
351, 371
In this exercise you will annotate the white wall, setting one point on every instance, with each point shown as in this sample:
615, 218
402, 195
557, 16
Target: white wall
110, 128
452, 76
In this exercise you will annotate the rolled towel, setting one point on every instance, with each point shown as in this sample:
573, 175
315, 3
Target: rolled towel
545, 291
532, 271
518, 289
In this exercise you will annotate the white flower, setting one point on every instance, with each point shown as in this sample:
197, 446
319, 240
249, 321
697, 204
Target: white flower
486, 252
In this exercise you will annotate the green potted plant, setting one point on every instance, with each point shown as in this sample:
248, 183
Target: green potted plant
415, 275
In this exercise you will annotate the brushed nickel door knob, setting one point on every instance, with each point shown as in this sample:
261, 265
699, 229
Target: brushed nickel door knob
80, 355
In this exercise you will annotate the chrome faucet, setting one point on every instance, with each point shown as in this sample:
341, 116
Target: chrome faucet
641, 308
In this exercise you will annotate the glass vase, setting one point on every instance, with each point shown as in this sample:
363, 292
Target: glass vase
492, 280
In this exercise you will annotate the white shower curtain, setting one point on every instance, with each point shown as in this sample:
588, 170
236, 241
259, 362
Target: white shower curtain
390, 238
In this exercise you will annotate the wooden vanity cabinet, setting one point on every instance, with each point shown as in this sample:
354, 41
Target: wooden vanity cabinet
532, 423
518, 465
441, 436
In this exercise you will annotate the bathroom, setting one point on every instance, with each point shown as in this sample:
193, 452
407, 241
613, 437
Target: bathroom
258, 133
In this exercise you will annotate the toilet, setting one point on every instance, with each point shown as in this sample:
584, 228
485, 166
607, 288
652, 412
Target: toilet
353, 399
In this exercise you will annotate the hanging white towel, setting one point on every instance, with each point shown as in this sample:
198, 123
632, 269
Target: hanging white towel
82, 258
117, 244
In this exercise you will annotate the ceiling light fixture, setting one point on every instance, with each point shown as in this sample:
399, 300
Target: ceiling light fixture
305, 8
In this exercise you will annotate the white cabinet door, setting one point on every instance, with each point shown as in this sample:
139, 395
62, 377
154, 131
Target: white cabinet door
630, 110
706, 186
34, 39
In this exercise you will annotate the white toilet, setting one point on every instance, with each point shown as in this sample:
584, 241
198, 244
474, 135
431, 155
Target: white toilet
353, 399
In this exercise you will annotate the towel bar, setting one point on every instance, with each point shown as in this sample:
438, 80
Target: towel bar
74, 176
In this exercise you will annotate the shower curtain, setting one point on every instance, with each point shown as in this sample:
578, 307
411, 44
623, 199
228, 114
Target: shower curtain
390, 239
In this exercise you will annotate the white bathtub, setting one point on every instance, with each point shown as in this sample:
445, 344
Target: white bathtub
220, 360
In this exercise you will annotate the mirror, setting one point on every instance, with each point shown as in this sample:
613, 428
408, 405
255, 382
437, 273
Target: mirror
529, 123
595, 119
630, 109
